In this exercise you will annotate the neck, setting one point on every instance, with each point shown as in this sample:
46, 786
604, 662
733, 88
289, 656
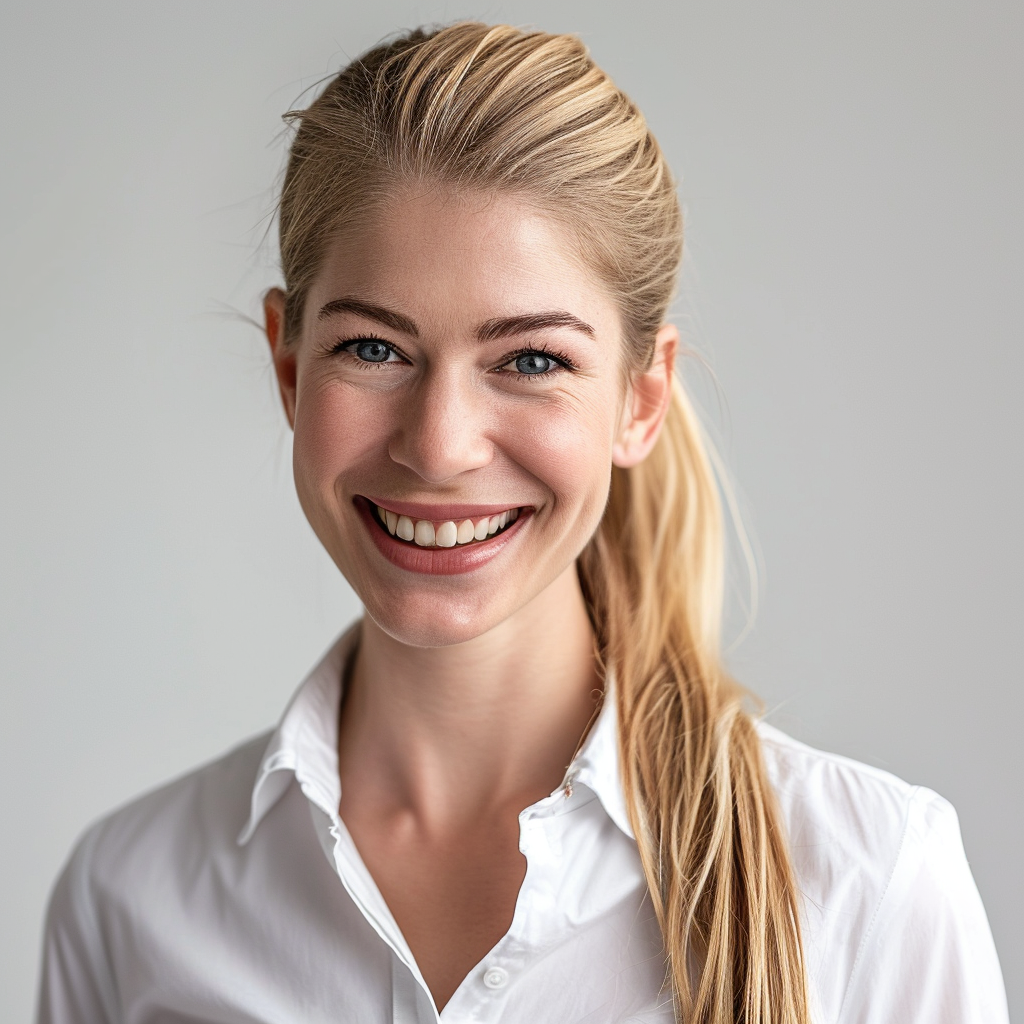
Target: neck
445, 732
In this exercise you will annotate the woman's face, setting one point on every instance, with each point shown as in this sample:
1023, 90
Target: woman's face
457, 399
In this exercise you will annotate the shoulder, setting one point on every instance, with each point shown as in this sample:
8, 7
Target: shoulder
145, 854
197, 814
154, 838
894, 926
847, 825
827, 798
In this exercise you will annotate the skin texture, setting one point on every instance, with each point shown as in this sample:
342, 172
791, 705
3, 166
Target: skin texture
469, 693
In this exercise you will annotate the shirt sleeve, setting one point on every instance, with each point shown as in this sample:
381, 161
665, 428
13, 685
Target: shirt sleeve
76, 984
928, 955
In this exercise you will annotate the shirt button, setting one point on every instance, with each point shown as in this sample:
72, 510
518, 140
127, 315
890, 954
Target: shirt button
495, 977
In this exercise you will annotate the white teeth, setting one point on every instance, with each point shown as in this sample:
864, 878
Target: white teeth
446, 536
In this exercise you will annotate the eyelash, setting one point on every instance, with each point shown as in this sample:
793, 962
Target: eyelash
560, 358
344, 344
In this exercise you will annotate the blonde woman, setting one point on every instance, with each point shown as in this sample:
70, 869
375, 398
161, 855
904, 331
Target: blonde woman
523, 787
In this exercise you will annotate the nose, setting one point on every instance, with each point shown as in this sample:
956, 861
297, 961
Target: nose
442, 428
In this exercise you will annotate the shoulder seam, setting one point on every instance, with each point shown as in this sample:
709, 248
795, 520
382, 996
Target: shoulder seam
869, 931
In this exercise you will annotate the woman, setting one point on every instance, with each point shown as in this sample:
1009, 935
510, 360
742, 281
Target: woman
523, 788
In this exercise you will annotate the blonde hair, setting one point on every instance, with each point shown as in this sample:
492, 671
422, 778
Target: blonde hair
497, 109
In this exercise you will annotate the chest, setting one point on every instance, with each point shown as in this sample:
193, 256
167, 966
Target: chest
525, 914
294, 927
452, 896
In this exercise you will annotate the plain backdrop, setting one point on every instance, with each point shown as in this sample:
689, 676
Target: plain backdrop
852, 176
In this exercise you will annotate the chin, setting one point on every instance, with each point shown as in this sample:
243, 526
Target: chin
433, 620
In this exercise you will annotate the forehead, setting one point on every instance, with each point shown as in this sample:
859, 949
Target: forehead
447, 258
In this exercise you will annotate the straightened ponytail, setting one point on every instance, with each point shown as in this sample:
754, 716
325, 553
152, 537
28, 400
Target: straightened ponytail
701, 805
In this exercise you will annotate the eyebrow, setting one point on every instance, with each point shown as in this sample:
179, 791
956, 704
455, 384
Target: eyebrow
504, 326
489, 330
369, 311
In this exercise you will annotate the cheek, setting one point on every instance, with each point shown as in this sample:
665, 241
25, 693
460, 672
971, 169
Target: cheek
568, 446
333, 432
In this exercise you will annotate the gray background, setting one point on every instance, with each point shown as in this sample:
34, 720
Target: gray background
853, 179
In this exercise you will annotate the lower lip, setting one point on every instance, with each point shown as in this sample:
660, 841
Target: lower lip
437, 561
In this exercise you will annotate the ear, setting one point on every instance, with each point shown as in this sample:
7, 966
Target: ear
647, 402
281, 352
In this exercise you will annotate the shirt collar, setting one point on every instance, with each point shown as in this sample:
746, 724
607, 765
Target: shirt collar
597, 765
304, 746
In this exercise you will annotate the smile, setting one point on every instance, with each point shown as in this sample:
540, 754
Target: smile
448, 533
440, 540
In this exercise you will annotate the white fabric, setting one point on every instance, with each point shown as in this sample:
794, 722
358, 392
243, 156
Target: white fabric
235, 895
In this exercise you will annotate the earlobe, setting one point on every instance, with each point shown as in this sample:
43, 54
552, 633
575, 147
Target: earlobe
281, 352
648, 401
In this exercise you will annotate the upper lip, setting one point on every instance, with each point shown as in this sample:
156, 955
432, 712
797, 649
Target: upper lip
440, 512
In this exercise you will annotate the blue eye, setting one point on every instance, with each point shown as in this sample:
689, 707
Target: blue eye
371, 351
534, 362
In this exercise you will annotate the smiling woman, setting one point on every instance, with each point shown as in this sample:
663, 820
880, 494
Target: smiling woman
522, 787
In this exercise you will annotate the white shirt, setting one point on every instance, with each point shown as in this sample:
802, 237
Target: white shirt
236, 895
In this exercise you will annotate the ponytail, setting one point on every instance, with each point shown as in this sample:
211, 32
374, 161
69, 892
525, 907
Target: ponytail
700, 802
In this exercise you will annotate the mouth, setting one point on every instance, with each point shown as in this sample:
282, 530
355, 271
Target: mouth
445, 533
440, 539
